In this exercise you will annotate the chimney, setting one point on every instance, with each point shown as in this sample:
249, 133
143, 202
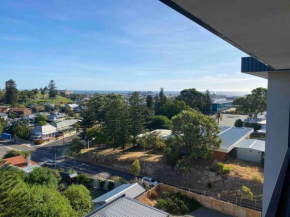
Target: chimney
28, 160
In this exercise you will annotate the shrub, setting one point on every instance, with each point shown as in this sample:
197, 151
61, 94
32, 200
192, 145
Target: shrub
111, 185
84, 180
161, 203
118, 179
226, 170
257, 179
209, 185
255, 126
239, 123
246, 193
61, 187
165, 194
101, 183
39, 142
154, 194
220, 167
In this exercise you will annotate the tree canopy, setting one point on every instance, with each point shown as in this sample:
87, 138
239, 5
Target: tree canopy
172, 108
194, 99
52, 91
11, 93
159, 122
252, 104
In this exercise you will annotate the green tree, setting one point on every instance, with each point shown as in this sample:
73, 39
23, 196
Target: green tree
150, 102
208, 103
252, 104
98, 106
43, 91
193, 98
218, 116
159, 122
162, 97
2, 96
44, 176
239, 123
22, 130
136, 168
87, 121
11, 93
96, 135
123, 133
136, 116
83, 179
41, 119
151, 140
113, 119
52, 91
12, 114
76, 146
197, 134
80, 199
172, 108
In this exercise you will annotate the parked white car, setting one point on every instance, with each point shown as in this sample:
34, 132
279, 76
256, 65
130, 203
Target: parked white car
49, 163
150, 181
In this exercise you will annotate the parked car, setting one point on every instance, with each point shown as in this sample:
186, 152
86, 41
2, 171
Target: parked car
49, 163
150, 181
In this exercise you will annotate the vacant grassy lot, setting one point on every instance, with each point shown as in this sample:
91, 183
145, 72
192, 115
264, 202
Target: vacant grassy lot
198, 177
59, 99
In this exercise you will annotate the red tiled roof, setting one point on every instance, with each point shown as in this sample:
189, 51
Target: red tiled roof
18, 161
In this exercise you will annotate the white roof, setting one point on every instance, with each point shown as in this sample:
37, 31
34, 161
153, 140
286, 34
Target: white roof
72, 105
62, 125
42, 130
164, 134
252, 144
29, 169
232, 136
130, 190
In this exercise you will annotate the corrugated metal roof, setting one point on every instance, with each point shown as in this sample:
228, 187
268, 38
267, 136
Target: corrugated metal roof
130, 190
127, 207
252, 144
231, 136
64, 124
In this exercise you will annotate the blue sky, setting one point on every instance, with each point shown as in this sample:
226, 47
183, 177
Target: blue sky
113, 45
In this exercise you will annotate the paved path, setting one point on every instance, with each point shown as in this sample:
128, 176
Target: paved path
205, 212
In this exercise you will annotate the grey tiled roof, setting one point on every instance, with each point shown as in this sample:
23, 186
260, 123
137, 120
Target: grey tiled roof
127, 207
130, 190
232, 136
252, 144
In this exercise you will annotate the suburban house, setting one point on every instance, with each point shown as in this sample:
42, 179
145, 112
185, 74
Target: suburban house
124, 206
57, 117
249, 150
164, 134
4, 116
65, 125
220, 104
43, 132
66, 92
22, 111
261, 30
129, 190
71, 106
231, 137
25, 164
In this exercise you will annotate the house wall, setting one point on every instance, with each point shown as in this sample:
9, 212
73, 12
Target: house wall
249, 154
221, 156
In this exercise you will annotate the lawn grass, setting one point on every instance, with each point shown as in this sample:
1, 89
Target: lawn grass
58, 100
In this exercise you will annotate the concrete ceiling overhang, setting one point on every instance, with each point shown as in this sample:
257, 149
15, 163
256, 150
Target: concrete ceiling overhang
260, 28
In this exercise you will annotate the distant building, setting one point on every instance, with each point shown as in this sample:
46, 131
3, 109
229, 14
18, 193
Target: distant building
66, 92
64, 125
4, 116
57, 117
71, 106
221, 104
164, 134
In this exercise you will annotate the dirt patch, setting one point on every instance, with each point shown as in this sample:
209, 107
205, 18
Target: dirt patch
197, 178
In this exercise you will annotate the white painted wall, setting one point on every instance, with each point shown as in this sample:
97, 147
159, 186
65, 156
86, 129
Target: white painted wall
249, 154
277, 130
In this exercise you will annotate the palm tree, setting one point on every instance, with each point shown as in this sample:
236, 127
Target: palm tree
218, 116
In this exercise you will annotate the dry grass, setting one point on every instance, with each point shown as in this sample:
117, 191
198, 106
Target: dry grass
245, 170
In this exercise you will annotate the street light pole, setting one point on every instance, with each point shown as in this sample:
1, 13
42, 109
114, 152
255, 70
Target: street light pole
54, 160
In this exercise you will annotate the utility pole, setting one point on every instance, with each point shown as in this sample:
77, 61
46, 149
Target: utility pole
54, 160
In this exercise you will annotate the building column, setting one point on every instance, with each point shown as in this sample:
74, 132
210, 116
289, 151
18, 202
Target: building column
277, 130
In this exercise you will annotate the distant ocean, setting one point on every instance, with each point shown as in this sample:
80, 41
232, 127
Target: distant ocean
225, 93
